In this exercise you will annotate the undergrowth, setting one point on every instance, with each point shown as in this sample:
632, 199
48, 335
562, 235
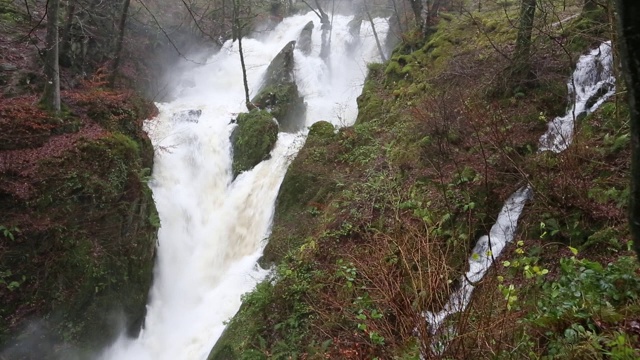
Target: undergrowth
374, 223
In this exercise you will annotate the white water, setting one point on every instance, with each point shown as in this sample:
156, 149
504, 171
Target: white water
486, 250
592, 80
593, 75
212, 229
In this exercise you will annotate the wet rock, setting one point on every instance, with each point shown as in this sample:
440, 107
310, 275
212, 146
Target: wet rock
354, 31
305, 44
279, 94
281, 67
252, 140
187, 116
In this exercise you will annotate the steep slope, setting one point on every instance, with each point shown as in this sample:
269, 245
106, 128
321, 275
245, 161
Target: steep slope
78, 223
374, 223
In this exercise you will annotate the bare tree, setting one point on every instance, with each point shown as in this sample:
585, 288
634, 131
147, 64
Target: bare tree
629, 31
51, 96
238, 29
118, 50
375, 33
432, 10
416, 7
521, 65
65, 43
397, 14
326, 27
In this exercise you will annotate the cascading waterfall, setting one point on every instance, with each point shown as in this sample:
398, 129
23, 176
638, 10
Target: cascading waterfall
590, 85
212, 228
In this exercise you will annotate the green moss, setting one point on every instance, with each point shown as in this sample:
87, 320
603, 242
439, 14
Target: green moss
84, 255
399, 67
307, 185
252, 140
9, 15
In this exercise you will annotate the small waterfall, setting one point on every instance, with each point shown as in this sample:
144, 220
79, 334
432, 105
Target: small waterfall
213, 228
590, 85
486, 250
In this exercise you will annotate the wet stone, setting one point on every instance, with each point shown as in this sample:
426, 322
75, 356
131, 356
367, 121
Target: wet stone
191, 116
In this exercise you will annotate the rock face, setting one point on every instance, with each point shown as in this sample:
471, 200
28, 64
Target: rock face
305, 44
252, 140
77, 255
279, 94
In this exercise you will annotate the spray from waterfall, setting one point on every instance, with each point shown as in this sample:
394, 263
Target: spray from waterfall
213, 228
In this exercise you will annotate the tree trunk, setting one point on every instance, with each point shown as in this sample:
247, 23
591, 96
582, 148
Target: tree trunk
237, 30
325, 48
65, 43
51, 96
433, 12
416, 7
521, 59
118, 52
397, 14
375, 33
324, 18
629, 30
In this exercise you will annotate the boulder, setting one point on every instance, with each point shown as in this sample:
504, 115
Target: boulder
281, 67
252, 140
305, 44
187, 116
279, 94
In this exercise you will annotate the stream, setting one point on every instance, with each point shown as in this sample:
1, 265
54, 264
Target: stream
590, 85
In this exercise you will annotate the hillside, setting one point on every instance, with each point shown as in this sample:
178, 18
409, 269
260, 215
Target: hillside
476, 208
375, 222
78, 223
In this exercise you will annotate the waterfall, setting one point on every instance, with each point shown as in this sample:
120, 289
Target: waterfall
590, 85
213, 229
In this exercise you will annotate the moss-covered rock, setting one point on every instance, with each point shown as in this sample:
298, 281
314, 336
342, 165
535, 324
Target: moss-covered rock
79, 257
252, 140
284, 102
279, 93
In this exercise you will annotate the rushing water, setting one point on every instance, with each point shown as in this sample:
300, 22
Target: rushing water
212, 228
590, 85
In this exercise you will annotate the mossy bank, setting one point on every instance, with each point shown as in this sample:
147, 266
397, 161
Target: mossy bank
78, 224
